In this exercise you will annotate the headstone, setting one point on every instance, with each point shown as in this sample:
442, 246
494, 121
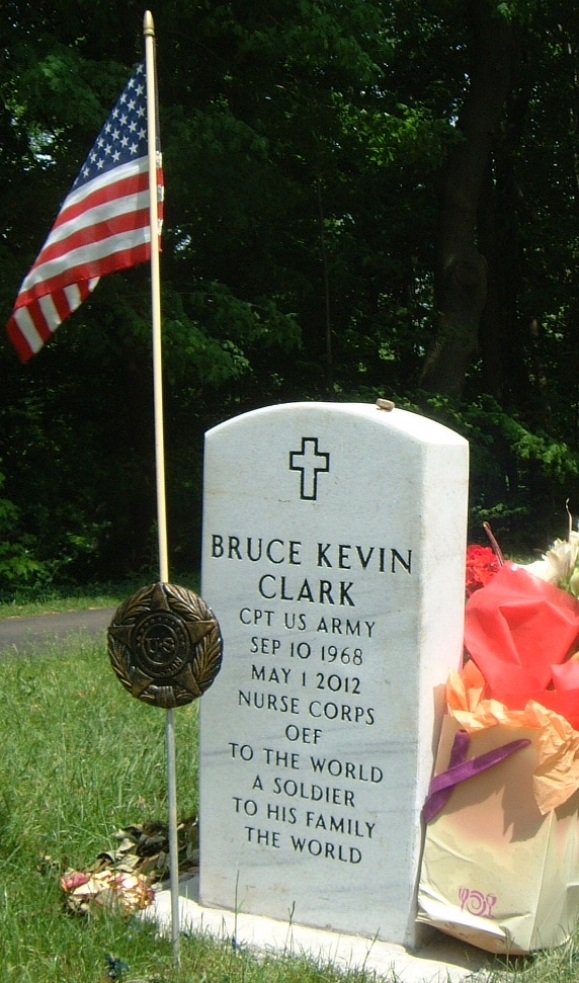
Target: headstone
334, 551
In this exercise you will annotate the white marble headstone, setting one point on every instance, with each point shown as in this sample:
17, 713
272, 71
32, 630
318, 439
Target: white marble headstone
333, 557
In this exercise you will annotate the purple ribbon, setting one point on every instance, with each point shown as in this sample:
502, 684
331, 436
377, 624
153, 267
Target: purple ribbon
460, 770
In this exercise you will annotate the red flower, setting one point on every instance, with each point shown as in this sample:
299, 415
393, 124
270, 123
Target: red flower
481, 566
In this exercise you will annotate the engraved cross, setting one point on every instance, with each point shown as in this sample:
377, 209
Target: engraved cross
311, 463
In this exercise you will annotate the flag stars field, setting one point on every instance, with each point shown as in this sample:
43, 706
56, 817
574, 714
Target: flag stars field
113, 145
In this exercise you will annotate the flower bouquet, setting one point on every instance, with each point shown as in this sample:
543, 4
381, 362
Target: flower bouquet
500, 867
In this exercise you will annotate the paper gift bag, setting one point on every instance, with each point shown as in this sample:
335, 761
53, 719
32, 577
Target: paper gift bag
495, 872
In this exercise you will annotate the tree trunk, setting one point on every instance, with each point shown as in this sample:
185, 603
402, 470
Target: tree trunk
502, 205
461, 269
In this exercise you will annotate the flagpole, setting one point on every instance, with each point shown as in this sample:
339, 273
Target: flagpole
149, 34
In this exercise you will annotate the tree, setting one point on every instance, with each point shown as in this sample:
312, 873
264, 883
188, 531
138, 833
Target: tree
372, 198
461, 267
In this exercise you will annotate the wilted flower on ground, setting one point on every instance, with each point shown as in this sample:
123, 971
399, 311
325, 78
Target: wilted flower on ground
108, 888
73, 879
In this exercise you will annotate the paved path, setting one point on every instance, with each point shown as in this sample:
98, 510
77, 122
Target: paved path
27, 635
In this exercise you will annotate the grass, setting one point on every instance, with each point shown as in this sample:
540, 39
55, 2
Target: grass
52, 600
83, 758
54, 603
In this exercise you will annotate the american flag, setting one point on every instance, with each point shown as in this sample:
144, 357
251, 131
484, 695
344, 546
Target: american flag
103, 225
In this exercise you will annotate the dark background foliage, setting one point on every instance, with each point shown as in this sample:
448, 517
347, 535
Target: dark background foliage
363, 199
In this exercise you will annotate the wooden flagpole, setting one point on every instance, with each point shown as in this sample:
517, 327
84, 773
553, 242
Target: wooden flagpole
149, 34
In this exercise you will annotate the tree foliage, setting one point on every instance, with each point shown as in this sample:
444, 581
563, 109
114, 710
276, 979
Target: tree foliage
366, 198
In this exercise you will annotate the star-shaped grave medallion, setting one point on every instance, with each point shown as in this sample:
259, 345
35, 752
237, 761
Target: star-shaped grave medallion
165, 645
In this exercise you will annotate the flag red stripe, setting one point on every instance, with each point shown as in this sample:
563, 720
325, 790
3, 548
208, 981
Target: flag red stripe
39, 281
41, 324
96, 232
25, 352
115, 189
95, 268
31, 326
62, 304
